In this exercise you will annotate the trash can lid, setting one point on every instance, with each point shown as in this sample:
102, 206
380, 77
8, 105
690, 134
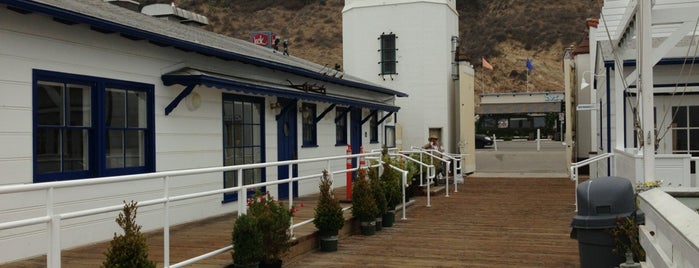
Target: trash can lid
606, 197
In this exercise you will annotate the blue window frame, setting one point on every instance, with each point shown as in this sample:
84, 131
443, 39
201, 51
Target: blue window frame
243, 139
341, 126
308, 122
86, 127
374, 128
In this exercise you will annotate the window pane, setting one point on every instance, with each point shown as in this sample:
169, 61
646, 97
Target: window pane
75, 155
257, 154
247, 113
136, 109
115, 149
256, 135
48, 148
238, 112
247, 135
228, 157
134, 149
49, 104
680, 116
694, 139
228, 111
115, 108
238, 158
230, 179
256, 107
79, 105
693, 116
681, 141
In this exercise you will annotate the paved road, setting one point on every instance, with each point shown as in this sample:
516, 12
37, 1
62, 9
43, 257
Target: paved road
521, 159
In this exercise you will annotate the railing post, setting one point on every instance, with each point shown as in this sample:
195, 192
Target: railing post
446, 178
495, 143
428, 185
242, 195
453, 172
291, 198
405, 184
166, 222
53, 256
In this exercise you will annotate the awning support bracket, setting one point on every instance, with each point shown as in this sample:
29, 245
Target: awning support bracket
373, 112
327, 110
385, 117
173, 104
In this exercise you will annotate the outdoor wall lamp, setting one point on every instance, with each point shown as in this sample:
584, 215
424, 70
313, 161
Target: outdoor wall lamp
305, 111
584, 82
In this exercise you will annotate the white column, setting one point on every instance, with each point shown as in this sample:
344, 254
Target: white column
645, 65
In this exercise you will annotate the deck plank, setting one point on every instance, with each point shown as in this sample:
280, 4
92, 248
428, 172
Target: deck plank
490, 222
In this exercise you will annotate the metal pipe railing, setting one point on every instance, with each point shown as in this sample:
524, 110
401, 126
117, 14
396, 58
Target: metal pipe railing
53, 220
574, 167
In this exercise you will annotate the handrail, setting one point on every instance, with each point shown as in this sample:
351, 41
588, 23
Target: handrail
577, 165
53, 220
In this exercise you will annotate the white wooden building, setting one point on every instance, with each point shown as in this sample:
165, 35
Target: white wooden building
410, 45
89, 89
611, 86
641, 76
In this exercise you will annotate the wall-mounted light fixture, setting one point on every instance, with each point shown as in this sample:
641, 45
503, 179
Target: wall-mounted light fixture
275, 105
305, 111
584, 83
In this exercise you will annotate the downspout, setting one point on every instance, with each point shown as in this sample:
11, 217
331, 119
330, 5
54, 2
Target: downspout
609, 122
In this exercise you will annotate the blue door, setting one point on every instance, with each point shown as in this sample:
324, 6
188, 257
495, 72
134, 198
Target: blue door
286, 144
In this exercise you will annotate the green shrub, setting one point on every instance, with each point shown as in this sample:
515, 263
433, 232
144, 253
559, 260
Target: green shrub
247, 241
130, 249
328, 212
274, 220
363, 202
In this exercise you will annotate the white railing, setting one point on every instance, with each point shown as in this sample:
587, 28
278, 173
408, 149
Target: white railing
669, 234
53, 220
574, 167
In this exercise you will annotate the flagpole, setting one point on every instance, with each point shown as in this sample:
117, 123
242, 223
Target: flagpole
527, 85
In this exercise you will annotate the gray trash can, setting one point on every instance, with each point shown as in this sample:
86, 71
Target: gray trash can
600, 202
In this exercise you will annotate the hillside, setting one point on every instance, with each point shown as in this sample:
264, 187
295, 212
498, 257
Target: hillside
506, 32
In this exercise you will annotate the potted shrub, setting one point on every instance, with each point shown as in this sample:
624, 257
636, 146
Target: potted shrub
363, 204
247, 242
131, 248
273, 219
391, 184
328, 215
379, 197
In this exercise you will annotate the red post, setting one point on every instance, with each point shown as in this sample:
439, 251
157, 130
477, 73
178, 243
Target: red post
349, 173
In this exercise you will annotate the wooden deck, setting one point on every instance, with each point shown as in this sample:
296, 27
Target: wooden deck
490, 222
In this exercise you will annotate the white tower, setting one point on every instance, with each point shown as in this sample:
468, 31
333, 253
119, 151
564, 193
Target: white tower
408, 45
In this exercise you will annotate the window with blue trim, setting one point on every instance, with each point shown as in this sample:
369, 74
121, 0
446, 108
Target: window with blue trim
86, 127
243, 139
341, 126
374, 128
309, 130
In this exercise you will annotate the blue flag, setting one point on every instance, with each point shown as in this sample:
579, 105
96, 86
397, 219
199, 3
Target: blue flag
530, 67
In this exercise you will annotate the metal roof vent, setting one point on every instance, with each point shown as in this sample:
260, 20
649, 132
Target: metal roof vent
128, 4
173, 13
